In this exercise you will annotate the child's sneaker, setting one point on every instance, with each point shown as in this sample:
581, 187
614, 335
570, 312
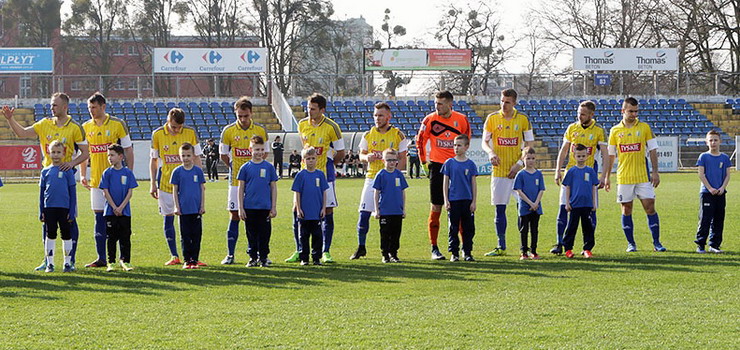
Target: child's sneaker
524, 256
557, 249
228, 260
700, 250
265, 263
96, 263
631, 248
468, 257
587, 254
126, 266
385, 259
186, 266
394, 258
194, 266
200, 263
659, 247
534, 256
252, 263
716, 250
569, 254
173, 261
304, 263
111, 267
454, 257
317, 262
326, 258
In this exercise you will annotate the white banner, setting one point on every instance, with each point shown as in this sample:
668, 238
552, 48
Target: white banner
204, 60
625, 59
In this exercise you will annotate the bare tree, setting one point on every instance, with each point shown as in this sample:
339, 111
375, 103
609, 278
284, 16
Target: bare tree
475, 28
390, 33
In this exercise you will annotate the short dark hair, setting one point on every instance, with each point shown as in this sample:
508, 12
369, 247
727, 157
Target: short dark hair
97, 98
186, 146
243, 103
318, 99
115, 148
382, 105
630, 101
61, 95
714, 132
581, 147
463, 137
177, 115
528, 150
257, 140
509, 93
445, 95
588, 104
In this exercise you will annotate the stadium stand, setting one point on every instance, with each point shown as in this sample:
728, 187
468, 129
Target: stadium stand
143, 117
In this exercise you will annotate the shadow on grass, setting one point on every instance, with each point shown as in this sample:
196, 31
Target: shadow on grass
160, 280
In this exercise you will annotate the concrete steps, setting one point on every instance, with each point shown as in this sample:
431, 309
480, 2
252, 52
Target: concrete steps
720, 115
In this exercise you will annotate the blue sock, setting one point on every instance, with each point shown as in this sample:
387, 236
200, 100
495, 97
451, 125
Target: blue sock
593, 219
232, 235
74, 231
363, 225
654, 225
100, 236
327, 228
628, 228
562, 223
169, 234
500, 221
295, 232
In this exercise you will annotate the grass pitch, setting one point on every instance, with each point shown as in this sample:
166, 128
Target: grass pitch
677, 299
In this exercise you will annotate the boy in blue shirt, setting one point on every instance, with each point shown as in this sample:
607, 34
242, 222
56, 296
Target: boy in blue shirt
57, 205
460, 192
714, 173
188, 188
390, 204
530, 186
581, 183
257, 199
309, 201
118, 183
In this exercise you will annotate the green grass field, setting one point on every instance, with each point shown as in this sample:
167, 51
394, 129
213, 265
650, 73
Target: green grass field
677, 299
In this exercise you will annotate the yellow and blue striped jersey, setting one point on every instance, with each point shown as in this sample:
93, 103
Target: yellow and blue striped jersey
166, 146
69, 135
319, 137
99, 137
238, 141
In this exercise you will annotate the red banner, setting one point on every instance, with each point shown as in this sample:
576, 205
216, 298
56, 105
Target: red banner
20, 157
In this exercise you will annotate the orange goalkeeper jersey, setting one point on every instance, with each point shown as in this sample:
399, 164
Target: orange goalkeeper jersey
441, 133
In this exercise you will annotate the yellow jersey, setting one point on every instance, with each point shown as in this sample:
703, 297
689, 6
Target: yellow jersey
113, 130
166, 147
630, 145
70, 134
507, 137
375, 142
238, 141
320, 137
590, 136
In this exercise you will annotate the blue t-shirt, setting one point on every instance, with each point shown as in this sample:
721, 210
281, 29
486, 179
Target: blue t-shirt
715, 169
1, 182
391, 186
581, 182
118, 182
58, 189
257, 178
311, 186
188, 188
531, 185
461, 178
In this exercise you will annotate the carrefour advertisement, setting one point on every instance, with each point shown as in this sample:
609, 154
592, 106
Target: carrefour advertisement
204, 60
417, 59
26, 60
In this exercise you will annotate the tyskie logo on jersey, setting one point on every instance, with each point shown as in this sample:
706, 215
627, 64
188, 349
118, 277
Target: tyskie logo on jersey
99, 148
172, 159
507, 141
450, 144
630, 147
242, 152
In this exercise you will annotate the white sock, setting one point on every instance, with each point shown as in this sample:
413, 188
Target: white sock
50, 245
67, 244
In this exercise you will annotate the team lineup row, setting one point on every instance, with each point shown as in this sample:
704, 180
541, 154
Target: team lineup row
506, 133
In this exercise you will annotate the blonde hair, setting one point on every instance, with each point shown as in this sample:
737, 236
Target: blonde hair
56, 143
390, 151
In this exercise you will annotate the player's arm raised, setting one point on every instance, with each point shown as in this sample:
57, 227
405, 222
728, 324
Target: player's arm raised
18, 129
